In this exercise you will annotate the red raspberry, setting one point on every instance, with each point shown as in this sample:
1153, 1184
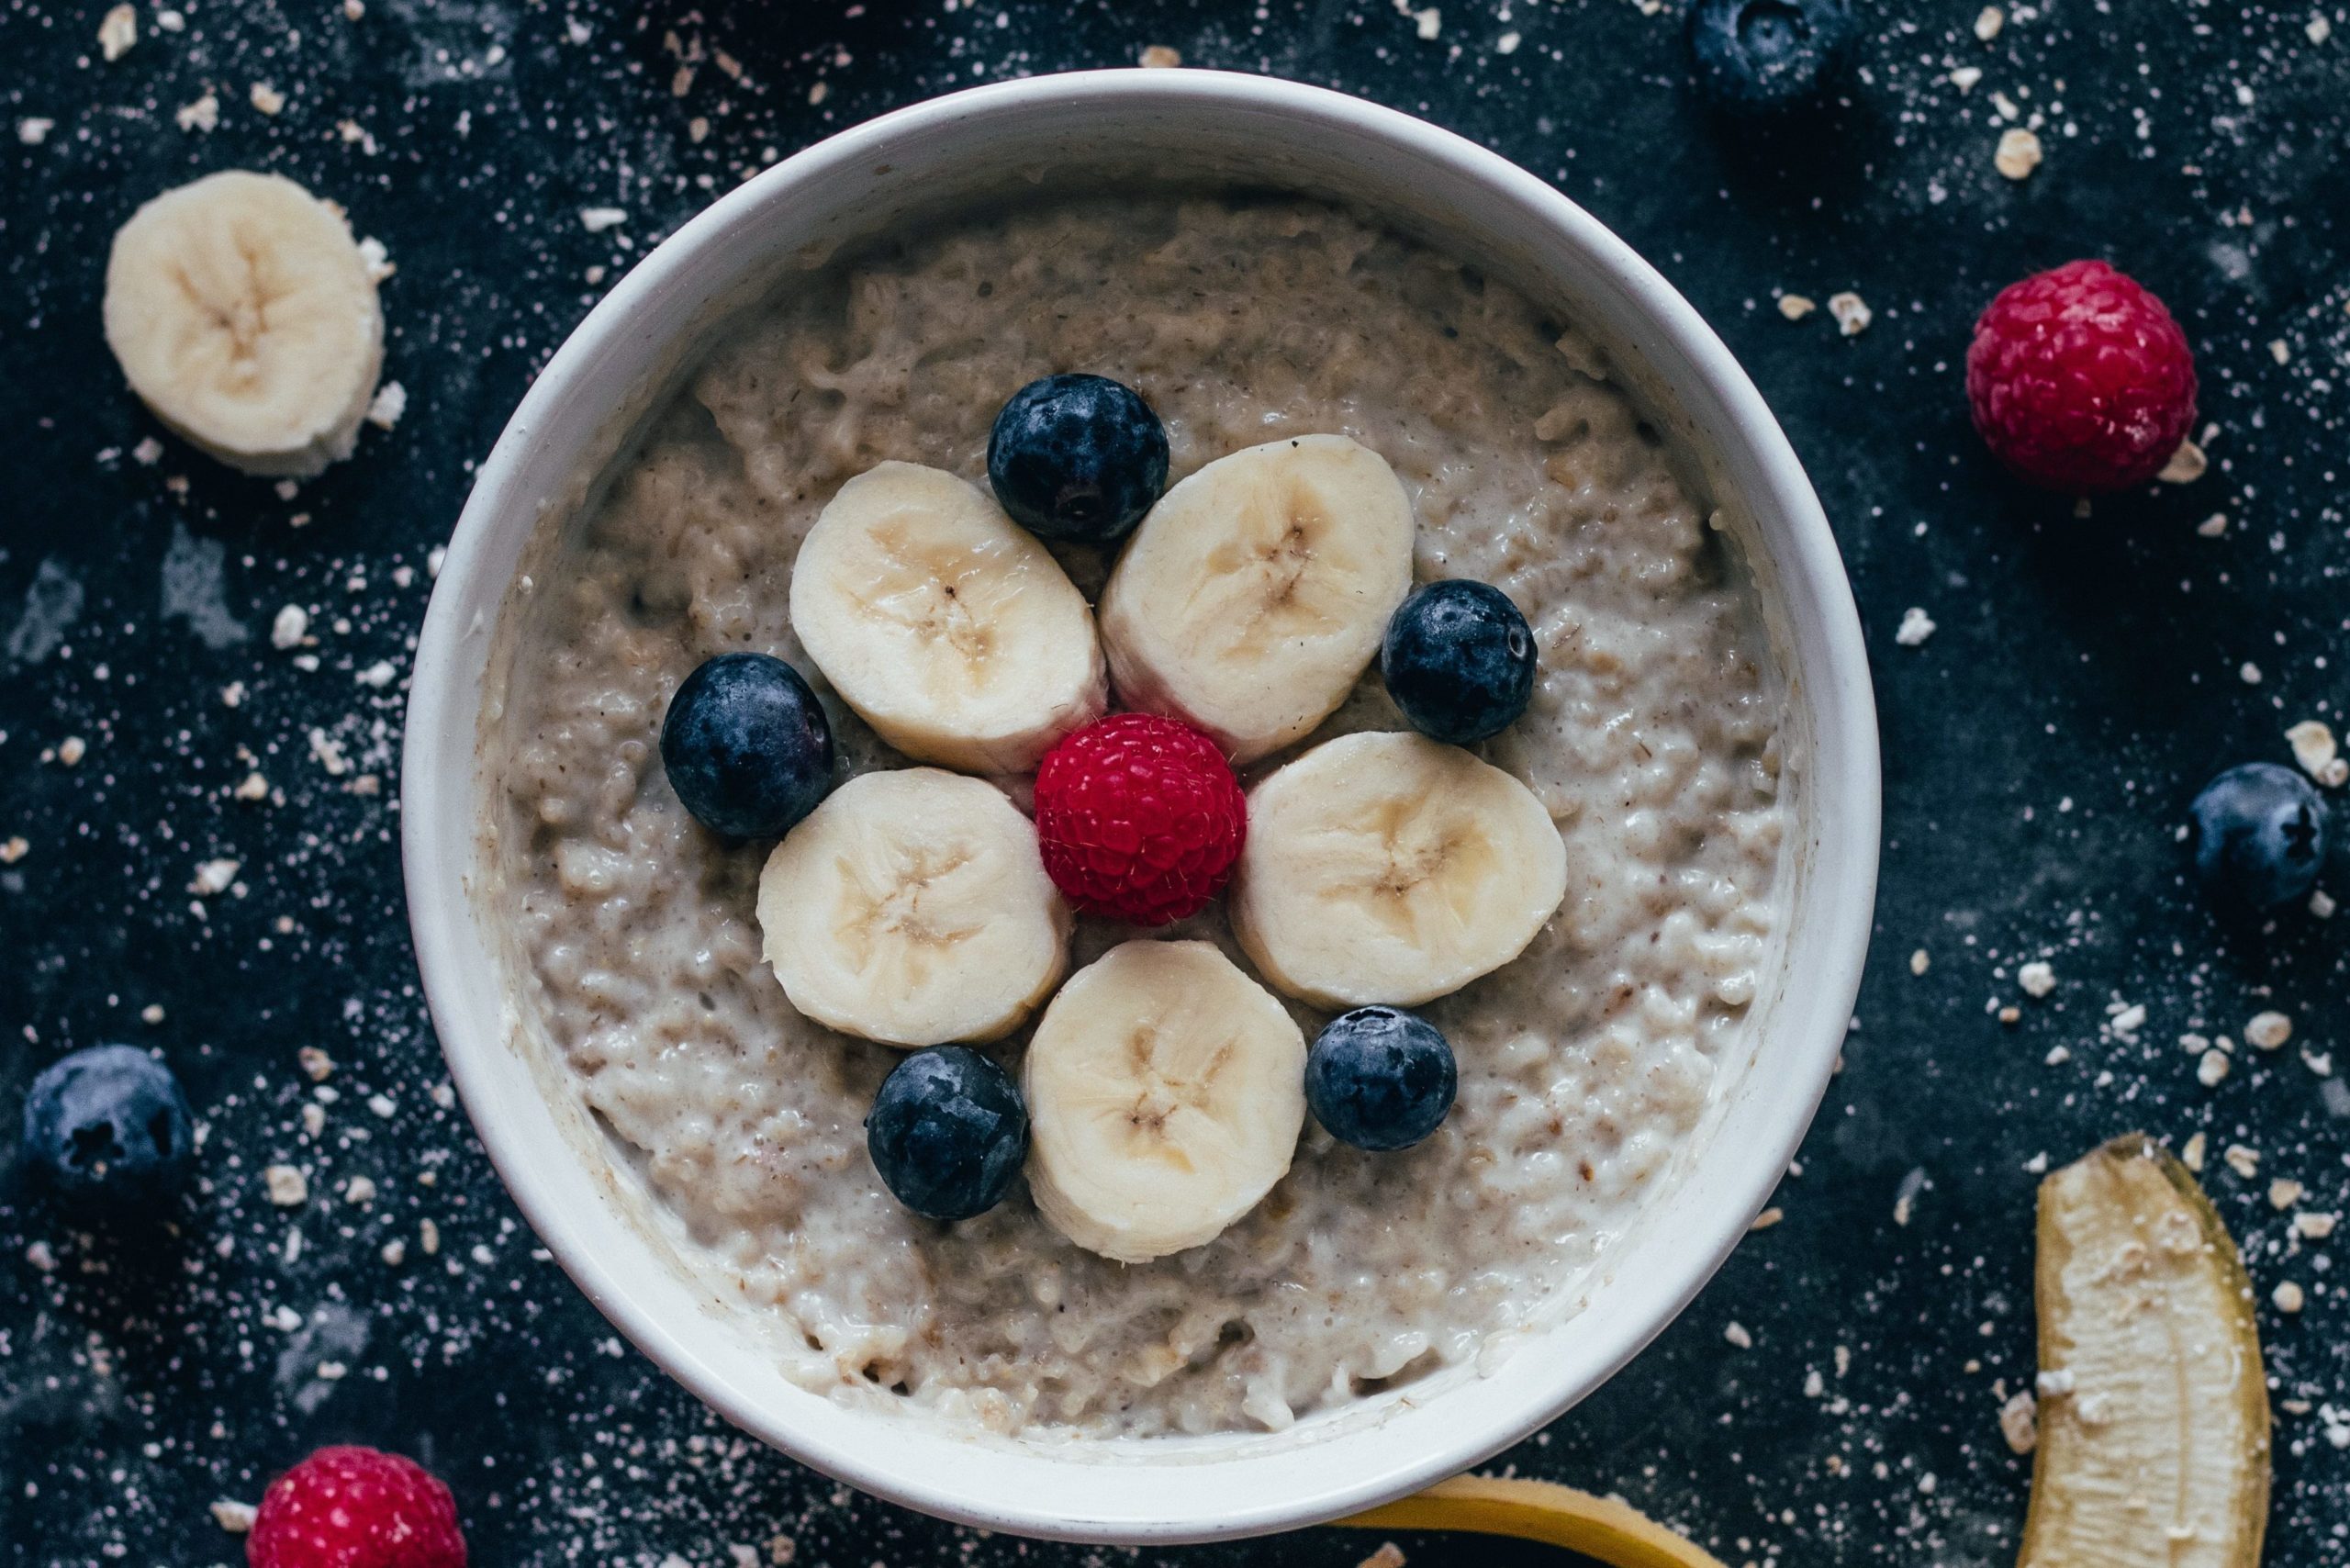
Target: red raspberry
1139, 817
355, 1508
2080, 380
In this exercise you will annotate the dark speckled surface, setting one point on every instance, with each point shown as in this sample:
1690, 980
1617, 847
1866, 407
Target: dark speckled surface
2085, 676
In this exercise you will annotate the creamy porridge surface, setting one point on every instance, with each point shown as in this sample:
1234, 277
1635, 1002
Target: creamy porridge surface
1586, 1066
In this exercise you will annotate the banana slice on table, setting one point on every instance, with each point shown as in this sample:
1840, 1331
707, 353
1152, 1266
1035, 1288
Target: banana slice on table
1256, 592
2154, 1447
912, 908
945, 625
1164, 1090
246, 317
1391, 869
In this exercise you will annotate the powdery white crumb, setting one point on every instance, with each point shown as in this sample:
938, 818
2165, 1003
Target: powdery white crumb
2018, 154
596, 219
118, 31
1916, 627
1851, 312
390, 402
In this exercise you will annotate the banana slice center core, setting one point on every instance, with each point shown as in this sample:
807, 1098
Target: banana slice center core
942, 597
903, 903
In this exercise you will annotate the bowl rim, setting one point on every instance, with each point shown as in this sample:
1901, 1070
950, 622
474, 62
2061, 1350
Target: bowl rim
438, 776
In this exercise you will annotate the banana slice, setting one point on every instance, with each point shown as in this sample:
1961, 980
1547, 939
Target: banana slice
1256, 590
1391, 869
1165, 1094
246, 317
2153, 1418
912, 908
947, 627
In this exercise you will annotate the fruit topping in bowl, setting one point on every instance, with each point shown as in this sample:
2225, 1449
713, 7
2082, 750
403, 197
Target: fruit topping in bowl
1379, 1078
1458, 660
912, 908
1077, 457
1252, 597
947, 1132
949, 630
1386, 867
746, 745
1140, 818
1166, 1091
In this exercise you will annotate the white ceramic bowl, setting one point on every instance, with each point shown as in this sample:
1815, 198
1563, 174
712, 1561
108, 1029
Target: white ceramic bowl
949, 153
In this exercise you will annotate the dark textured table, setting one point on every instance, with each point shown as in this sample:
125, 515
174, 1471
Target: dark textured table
2085, 675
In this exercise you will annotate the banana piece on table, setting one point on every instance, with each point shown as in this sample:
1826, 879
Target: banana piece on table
1384, 867
1166, 1090
944, 624
1256, 592
244, 315
2154, 1447
912, 908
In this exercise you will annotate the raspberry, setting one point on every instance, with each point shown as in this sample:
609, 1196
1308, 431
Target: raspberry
1140, 818
355, 1508
2080, 380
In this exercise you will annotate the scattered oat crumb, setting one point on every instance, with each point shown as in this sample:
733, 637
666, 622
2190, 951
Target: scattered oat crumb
394, 1253
353, 9
1987, 25
1852, 314
2018, 153
254, 788
233, 694
328, 753
234, 1517
1507, 43
2322, 904
1737, 1334
2281, 352
428, 1236
2020, 1422
2037, 979
1920, 962
2249, 673
2192, 1155
2058, 1056
379, 675
265, 98
2243, 1161
118, 30
1389, 1555
287, 1187
1768, 1218
32, 130
596, 219
2128, 1020
14, 849
390, 402
2319, 30
72, 750
1965, 77
292, 623
1916, 627
697, 130
2211, 1068
1796, 307
2283, 1193
151, 1014
2186, 465
378, 262
213, 877
2214, 526
1158, 57
2287, 1296
314, 1118
1428, 23
359, 1190
316, 1063
2314, 1226
2268, 1030
2313, 748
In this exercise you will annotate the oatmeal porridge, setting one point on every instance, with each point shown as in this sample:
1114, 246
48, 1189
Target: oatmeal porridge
1585, 1066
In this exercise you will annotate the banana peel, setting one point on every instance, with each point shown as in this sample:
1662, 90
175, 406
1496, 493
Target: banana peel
2154, 1448
1599, 1528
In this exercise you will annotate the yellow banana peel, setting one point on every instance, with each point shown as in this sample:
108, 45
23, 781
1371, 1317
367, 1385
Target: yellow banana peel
1609, 1531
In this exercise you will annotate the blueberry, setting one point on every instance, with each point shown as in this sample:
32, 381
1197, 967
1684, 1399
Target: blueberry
1761, 56
2258, 835
747, 747
1458, 659
1077, 457
1379, 1078
947, 1132
110, 1128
